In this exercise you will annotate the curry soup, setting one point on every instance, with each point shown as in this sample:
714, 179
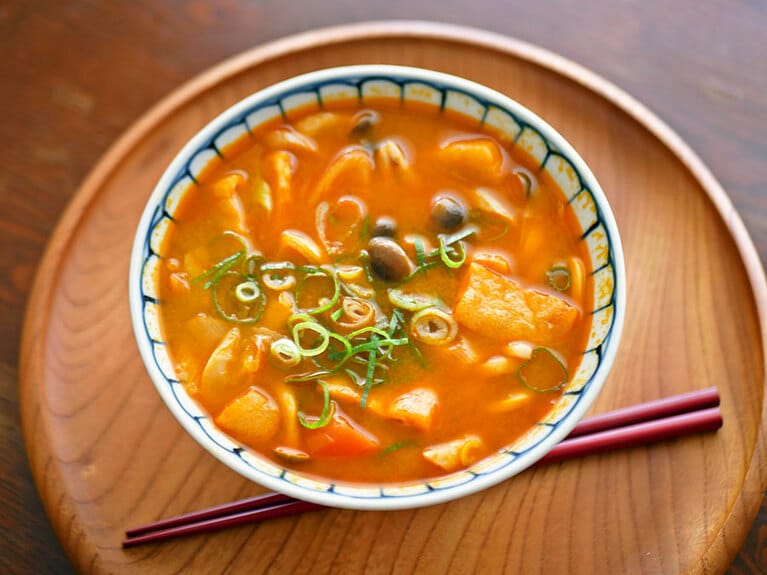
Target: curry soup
375, 294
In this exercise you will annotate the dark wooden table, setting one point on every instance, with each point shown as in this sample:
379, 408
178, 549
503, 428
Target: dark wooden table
75, 75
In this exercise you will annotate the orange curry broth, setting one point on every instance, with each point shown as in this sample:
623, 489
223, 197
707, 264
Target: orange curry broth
472, 400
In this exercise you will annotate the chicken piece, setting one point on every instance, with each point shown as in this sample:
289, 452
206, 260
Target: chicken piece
416, 408
496, 306
252, 418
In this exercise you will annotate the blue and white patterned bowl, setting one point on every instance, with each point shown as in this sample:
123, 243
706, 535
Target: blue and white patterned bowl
522, 128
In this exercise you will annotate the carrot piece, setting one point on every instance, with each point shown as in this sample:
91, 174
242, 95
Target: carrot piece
340, 437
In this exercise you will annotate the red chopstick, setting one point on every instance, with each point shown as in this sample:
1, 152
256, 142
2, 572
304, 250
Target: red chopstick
639, 434
685, 414
674, 405
284, 509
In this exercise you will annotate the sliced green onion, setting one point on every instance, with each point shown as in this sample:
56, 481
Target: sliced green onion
370, 329
393, 320
341, 356
395, 447
298, 317
411, 301
364, 230
275, 282
417, 353
328, 409
419, 255
247, 291
424, 268
365, 261
219, 269
285, 353
378, 344
251, 264
336, 315
458, 236
322, 332
355, 377
254, 314
559, 277
277, 266
553, 363
240, 238
318, 272
447, 260
372, 358
303, 377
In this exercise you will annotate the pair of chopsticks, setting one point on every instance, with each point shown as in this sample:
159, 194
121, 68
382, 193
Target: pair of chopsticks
694, 412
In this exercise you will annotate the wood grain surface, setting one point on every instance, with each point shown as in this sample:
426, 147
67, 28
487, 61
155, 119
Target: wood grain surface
83, 72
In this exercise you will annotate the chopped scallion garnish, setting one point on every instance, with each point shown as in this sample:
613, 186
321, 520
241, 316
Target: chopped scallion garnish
328, 409
558, 277
372, 359
336, 315
419, 255
214, 274
445, 256
285, 353
247, 292
543, 372
319, 346
247, 312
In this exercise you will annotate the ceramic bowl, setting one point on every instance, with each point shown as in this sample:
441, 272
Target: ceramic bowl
551, 152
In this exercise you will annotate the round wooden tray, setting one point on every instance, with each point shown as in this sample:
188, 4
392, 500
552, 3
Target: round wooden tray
107, 455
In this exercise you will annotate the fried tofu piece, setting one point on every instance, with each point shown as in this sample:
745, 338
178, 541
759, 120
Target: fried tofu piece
252, 418
496, 306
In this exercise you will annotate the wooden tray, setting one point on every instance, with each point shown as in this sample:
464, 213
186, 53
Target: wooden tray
107, 455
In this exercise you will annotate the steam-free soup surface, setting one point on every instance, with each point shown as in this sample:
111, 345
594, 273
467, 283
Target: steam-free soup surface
376, 294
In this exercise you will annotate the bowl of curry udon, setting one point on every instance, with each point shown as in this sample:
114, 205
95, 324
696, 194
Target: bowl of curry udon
377, 287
